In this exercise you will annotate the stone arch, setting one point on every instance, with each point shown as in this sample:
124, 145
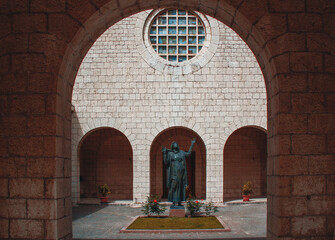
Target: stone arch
285, 60
292, 40
196, 164
96, 22
81, 133
244, 159
106, 156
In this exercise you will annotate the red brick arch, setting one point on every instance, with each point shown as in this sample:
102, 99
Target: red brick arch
244, 160
43, 44
106, 156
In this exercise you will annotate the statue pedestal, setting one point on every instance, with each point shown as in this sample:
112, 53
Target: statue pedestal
177, 211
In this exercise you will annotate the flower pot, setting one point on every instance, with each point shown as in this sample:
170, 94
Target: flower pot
246, 198
104, 199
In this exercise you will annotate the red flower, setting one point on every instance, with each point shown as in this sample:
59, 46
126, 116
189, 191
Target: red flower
196, 202
201, 199
155, 200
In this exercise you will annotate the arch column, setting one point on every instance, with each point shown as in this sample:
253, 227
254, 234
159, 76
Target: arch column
141, 173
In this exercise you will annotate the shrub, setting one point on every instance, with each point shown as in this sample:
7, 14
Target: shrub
210, 208
152, 206
193, 207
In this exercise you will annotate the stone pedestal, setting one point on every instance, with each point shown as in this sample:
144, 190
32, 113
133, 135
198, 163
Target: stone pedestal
177, 211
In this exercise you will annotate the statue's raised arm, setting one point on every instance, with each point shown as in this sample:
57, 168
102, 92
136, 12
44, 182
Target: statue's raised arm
191, 147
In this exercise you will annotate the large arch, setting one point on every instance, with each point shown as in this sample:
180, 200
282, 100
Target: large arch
106, 156
43, 44
244, 160
196, 164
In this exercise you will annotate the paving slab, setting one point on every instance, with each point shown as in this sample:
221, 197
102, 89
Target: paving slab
246, 221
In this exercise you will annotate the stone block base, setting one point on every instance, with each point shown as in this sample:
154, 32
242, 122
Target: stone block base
177, 211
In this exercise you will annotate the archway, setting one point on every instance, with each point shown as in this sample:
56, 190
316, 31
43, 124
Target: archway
106, 157
293, 44
244, 160
196, 164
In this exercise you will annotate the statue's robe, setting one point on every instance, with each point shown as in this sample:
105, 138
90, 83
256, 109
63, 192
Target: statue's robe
175, 162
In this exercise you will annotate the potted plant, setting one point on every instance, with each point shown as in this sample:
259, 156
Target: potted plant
104, 190
246, 191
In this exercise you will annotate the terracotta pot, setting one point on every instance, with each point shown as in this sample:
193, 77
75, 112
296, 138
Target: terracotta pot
246, 198
104, 199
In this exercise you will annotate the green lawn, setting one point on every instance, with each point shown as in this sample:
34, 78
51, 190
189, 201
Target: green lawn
176, 223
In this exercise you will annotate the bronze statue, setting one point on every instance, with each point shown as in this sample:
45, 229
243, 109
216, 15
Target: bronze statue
175, 160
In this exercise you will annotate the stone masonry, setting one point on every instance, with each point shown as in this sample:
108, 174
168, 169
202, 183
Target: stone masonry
115, 87
42, 45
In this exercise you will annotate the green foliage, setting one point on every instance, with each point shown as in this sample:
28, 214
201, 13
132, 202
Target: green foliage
152, 206
104, 190
210, 208
247, 188
193, 207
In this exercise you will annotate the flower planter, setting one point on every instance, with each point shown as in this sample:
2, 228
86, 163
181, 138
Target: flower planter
104, 199
246, 198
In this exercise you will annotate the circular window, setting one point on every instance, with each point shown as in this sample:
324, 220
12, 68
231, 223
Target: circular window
177, 35
176, 41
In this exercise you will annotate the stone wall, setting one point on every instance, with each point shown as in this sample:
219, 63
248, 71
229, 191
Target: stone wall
116, 87
43, 44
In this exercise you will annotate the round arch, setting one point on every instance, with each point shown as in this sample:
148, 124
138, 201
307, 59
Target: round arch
244, 159
234, 15
196, 164
252, 20
106, 156
293, 42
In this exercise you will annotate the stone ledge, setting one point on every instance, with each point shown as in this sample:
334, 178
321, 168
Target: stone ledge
251, 201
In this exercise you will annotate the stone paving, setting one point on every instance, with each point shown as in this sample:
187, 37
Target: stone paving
246, 221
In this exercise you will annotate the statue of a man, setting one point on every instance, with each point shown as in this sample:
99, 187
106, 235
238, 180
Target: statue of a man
175, 160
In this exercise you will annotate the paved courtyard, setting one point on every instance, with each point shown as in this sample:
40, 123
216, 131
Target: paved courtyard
246, 221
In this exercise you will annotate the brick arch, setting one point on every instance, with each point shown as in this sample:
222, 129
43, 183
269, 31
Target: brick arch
275, 33
183, 137
43, 44
91, 125
106, 156
244, 160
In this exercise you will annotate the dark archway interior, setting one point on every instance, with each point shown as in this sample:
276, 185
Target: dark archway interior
106, 157
196, 164
245, 155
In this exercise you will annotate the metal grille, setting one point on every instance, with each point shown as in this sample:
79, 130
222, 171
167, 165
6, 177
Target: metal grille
177, 35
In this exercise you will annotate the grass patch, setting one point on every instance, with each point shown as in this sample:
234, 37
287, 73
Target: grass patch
176, 223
